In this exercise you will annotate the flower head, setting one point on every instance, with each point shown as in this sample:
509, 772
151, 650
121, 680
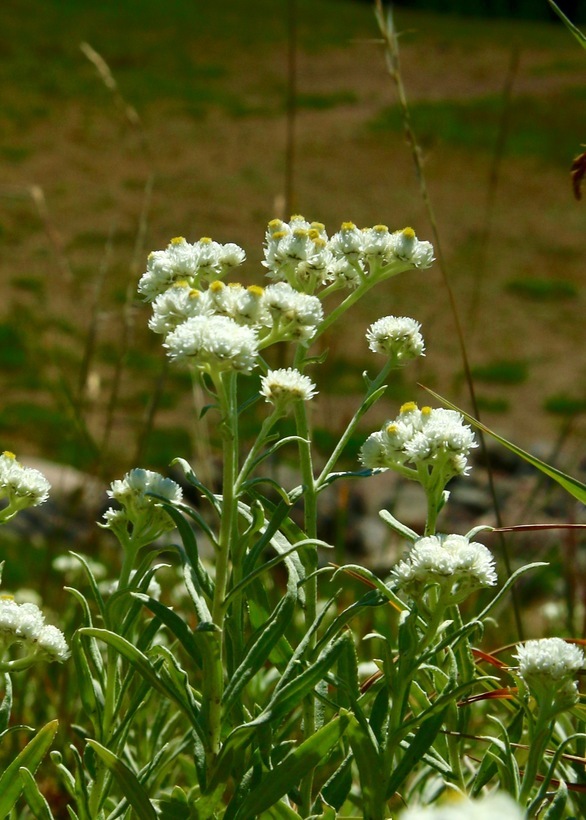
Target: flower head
452, 562
549, 668
297, 252
397, 337
23, 626
214, 343
284, 386
177, 304
433, 438
21, 486
142, 515
198, 263
294, 315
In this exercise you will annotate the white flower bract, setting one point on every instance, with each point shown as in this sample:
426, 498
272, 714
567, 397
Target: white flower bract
397, 337
214, 342
426, 436
549, 658
135, 485
24, 625
198, 263
446, 560
286, 385
21, 486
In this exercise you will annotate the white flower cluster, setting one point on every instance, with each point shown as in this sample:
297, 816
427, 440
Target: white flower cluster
549, 667
286, 385
20, 486
145, 515
452, 562
397, 337
300, 253
499, 804
184, 284
24, 625
197, 264
214, 342
435, 438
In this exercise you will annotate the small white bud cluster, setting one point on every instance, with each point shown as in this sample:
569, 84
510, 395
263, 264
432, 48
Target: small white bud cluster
397, 337
549, 667
141, 512
452, 562
23, 625
284, 386
435, 438
197, 264
20, 486
300, 253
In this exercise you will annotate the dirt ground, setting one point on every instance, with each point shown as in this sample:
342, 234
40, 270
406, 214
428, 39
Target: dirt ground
73, 203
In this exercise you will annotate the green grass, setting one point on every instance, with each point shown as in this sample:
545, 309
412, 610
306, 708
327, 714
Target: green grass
546, 127
509, 372
542, 289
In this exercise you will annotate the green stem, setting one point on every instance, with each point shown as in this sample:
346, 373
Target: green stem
309, 557
365, 405
225, 384
539, 735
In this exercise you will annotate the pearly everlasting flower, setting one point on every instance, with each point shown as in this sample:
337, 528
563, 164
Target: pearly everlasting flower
214, 343
458, 566
284, 386
142, 517
297, 252
549, 668
20, 486
405, 246
177, 304
397, 337
348, 242
132, 490
198, 263
494, 805
23, 626
294, 315
431, 439
377, 244
243, 305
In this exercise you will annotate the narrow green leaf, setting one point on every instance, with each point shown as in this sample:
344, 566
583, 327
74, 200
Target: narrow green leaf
144, 667
571, 485
92, 581
37, 803
127, 780
11, 783
239, 588
89, 689
286, 699
557, 806
174, 623
287, 774
189, 542
581, 38
6, 707
337, 788
260, 651
421, 742
507, 585
368, 760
